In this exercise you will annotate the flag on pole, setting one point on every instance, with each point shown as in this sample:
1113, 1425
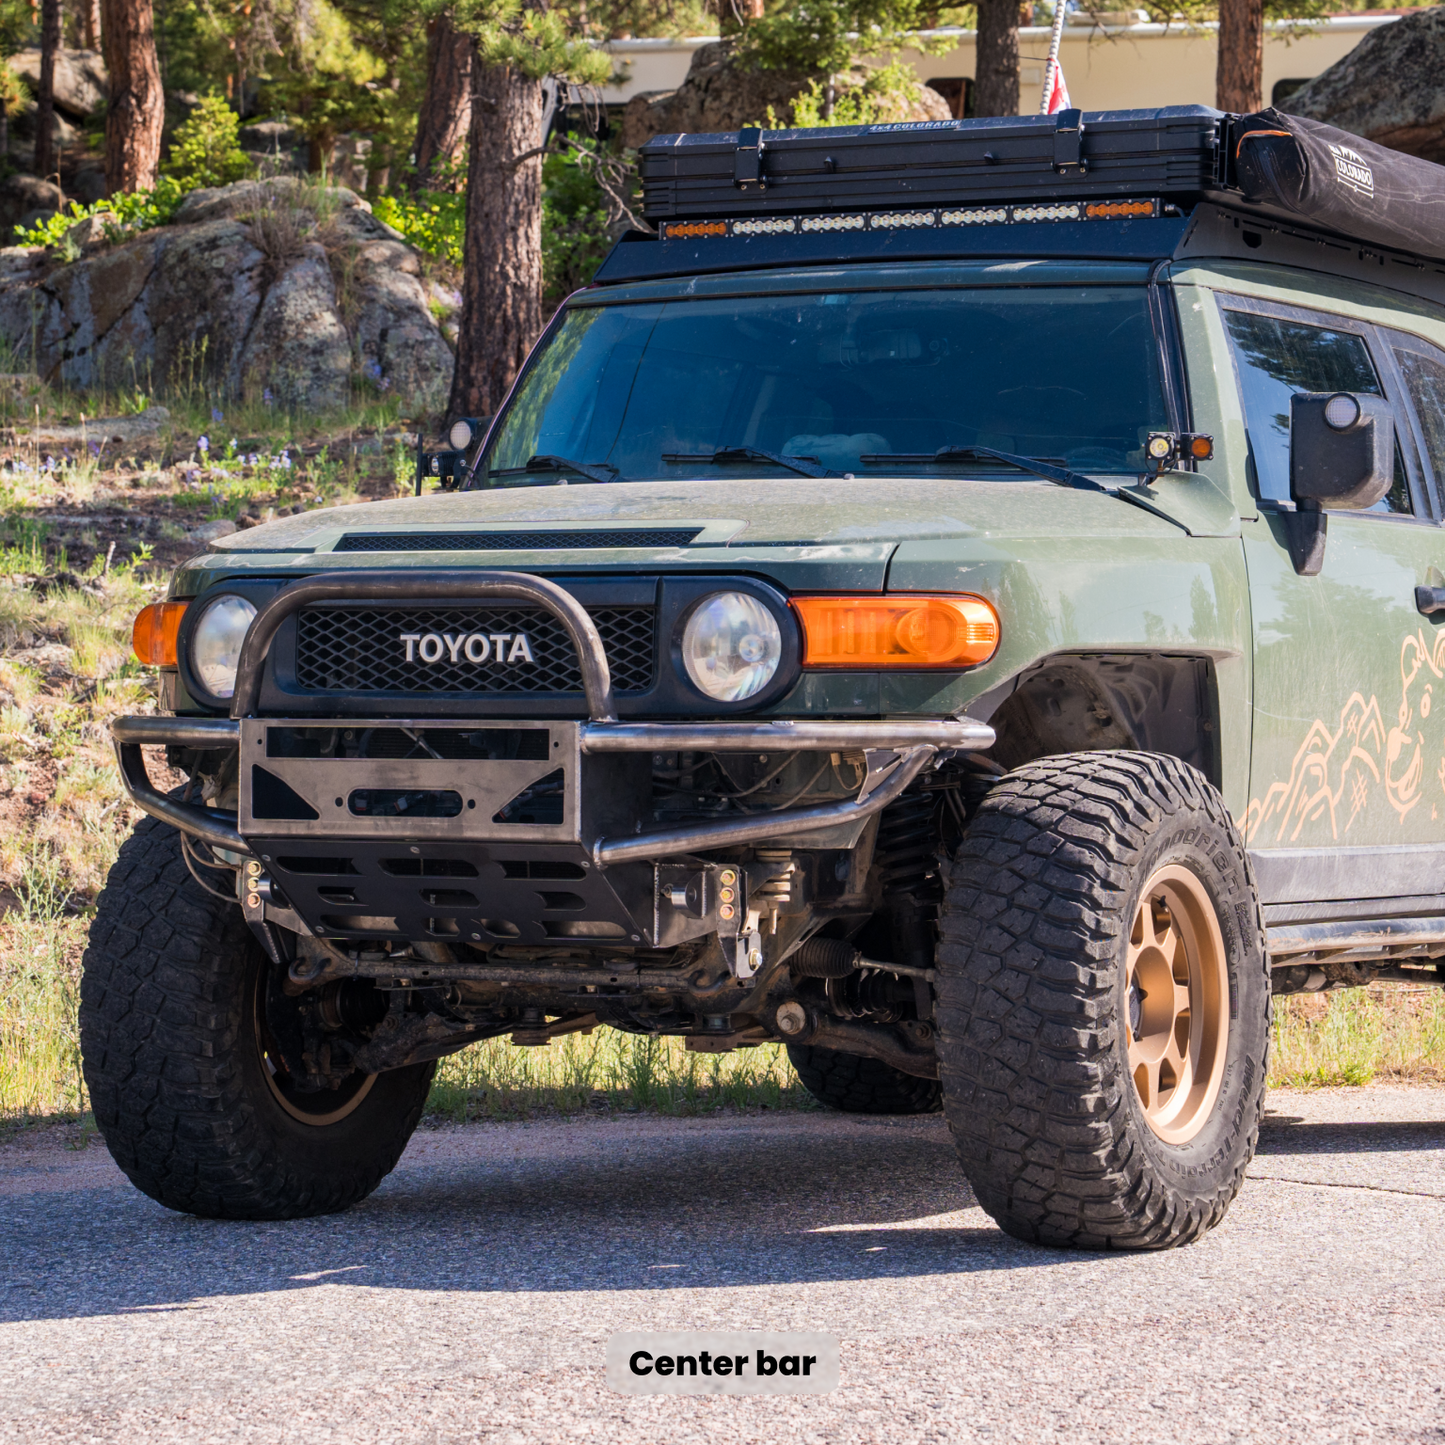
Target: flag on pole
1056, 91
1056, 94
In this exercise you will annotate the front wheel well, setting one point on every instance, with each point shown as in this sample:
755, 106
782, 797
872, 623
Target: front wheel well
1091, 702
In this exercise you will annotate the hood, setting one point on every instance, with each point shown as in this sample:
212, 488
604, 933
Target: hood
841, 531
727, 512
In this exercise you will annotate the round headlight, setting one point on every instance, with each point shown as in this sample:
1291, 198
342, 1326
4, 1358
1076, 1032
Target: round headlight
216, 643
460, 435
731, 646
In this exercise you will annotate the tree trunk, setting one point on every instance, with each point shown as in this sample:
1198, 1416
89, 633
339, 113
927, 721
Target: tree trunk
996, 70
90, 23
137, 107
502, 252
445, 118
47, 161
1239, 78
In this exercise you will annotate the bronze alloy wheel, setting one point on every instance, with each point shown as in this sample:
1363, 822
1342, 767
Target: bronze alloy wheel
1177, 990
316, 1107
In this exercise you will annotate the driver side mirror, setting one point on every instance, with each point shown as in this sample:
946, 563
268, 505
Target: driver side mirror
1341, 458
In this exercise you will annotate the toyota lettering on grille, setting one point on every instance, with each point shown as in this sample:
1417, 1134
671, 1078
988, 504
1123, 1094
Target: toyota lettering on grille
505, 647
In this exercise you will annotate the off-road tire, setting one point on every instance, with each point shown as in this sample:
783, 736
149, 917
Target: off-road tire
168, 1039
1034, 1028
858, 1085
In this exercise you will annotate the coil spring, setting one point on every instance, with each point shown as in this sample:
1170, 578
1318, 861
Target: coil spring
906, 854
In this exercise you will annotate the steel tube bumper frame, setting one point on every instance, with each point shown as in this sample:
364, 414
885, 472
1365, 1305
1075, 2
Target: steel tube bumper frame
210, 825
450, 586
698, 838
918, 741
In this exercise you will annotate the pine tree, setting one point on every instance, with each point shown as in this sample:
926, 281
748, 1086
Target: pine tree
517, 46
47, 158
136, 110
1239, 72
996, 58
445, 116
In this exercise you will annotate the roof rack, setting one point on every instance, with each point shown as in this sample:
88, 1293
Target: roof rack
1114, 183
1017, 159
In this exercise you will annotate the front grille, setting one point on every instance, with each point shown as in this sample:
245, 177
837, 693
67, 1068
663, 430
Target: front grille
510, 541
357, 649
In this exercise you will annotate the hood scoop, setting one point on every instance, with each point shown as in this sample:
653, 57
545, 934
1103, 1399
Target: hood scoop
538, 541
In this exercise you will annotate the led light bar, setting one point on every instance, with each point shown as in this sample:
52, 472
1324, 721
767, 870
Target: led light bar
938, 218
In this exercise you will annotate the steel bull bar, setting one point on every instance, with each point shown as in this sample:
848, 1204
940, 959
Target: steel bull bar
897, 751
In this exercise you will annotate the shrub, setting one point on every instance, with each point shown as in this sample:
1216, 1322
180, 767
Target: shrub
888, 94
206, 150
434, 223
133, 211
576, 235
577, 231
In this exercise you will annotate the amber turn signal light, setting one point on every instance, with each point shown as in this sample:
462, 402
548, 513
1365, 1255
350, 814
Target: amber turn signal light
900, 631
154, 635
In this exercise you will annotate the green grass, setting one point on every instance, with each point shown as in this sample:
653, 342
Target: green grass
1351, 1038
1359, 1035
609, 1070
39, 1039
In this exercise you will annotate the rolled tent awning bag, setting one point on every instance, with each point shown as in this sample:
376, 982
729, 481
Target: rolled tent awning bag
1337, 182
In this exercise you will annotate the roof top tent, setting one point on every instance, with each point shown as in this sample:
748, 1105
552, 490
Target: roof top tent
1142, 185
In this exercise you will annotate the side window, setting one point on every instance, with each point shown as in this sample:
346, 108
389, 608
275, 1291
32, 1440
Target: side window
1423, 368
1277, 358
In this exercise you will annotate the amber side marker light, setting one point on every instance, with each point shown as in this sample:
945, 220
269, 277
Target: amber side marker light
900, 631
154, 635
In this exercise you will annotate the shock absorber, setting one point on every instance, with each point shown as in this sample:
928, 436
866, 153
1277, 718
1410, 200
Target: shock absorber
907, 859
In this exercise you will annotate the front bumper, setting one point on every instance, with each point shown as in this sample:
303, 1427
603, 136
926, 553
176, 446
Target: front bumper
601, 760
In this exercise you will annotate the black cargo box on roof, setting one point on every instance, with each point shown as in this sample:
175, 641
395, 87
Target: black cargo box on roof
1173, 151
1119, 183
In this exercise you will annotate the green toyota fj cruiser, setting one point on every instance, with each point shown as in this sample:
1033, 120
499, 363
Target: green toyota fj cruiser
961, 600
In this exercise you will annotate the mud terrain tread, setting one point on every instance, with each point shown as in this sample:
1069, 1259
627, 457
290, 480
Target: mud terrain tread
160, 1021
1030, 931
858, 1085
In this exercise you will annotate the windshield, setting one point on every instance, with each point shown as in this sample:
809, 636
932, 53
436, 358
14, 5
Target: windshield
869, 383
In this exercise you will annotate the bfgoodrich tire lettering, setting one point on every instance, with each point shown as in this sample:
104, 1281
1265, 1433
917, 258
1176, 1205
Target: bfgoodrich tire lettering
176, 1067
857, 1085
1034, 1003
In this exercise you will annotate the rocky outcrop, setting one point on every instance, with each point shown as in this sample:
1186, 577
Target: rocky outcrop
24, 200
108, 431
277, 148
81, 86
247, 291
81, 80
1388, 88
724, 91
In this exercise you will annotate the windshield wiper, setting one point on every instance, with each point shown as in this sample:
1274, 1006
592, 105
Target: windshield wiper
804, 466
1063, 476
593, 471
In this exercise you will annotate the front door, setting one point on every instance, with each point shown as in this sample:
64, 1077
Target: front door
1347, 783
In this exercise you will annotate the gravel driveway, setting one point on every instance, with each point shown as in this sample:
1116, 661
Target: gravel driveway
470, 1298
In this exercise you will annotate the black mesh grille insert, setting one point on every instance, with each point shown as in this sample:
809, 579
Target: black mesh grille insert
510, 541
359, 649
